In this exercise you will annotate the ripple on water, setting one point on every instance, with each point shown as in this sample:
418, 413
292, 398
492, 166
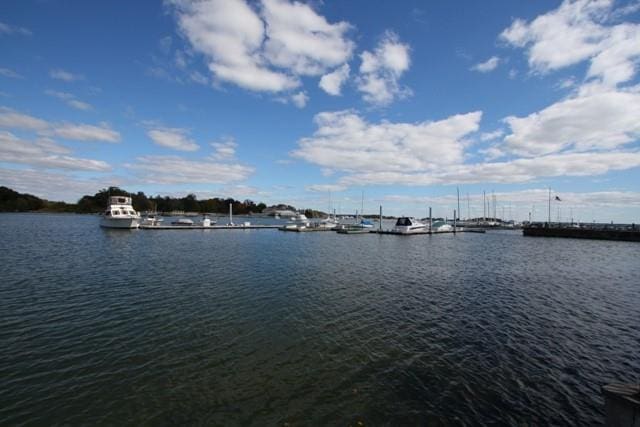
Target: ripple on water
262, 327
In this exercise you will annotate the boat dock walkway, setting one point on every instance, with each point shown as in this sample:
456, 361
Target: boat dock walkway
305, 229
628, 235
459, 230
208, 227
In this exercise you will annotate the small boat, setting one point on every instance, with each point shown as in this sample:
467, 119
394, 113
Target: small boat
441, 227
406, 225
365, 223
298, 221
207, 222
327, 223
182, 222
151, 219
120, 214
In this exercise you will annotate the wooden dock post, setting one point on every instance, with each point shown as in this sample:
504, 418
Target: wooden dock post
380, 226
622, 405
430, 220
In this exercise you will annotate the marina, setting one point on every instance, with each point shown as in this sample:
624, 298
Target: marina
420, 328
192, 229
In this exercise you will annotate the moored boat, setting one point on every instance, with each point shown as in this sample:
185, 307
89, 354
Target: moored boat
120, 214
183, 222
406, 225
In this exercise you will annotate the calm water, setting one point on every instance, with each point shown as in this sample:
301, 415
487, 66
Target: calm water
262, 327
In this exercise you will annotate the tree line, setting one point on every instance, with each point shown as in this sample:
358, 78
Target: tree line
12, 201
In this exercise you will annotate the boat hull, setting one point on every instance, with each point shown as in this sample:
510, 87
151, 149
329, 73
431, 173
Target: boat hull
123, 223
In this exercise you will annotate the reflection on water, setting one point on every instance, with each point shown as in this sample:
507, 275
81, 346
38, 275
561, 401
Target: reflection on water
262, 327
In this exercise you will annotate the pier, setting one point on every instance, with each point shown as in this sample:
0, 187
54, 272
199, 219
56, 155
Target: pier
627, 235
459, 230
208, 227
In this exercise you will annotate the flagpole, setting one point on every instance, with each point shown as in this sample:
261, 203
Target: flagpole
549, 219
458, 193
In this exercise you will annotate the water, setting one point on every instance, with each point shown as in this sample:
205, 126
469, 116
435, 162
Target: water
262, 327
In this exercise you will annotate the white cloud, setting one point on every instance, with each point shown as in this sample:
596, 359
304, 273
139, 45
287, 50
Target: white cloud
617, 60
14, 120
6, 72
325, 188
433, 153
79, 105
224, 149
514, 171
11, 119
69, 99
490, 136
518, 204
174, 138
332, 82
300, 99
241, 191
84, 132
13, 29
345, 141
63, 75
44, 153
487, 66
263, 49
596, 121
381, 70
300, 40
230, 34
55, 186
176, 170
577, 31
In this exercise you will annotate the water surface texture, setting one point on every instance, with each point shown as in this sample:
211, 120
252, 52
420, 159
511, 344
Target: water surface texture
263, 327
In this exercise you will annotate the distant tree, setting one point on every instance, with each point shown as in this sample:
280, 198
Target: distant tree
190, 203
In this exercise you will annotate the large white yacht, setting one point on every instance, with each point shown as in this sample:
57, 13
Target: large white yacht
120, 214
406, 225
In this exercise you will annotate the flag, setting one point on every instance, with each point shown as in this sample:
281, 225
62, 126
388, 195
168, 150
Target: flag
558, 199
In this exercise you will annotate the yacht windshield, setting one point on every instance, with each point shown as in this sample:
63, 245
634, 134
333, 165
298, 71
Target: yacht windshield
405, 222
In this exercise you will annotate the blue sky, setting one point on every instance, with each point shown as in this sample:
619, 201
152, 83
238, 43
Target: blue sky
307, 102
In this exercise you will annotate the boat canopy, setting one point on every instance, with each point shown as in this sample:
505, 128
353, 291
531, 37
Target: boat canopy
119, 200
404, 222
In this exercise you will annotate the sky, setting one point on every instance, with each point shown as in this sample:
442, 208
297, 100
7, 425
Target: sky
328, 104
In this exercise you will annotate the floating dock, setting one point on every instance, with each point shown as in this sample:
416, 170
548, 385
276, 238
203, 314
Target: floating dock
304, 230
208, 227
583, 233
414, 233
354, 230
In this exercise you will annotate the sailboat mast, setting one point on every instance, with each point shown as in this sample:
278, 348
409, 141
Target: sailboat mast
458, 193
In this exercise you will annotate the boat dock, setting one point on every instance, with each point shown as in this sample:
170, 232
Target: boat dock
627, 235
208, 227
459, 230
303, 229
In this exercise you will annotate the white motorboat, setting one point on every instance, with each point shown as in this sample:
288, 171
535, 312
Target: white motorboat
441, 227
327, 223
120, 214
151, 219
406, 225
298, 221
